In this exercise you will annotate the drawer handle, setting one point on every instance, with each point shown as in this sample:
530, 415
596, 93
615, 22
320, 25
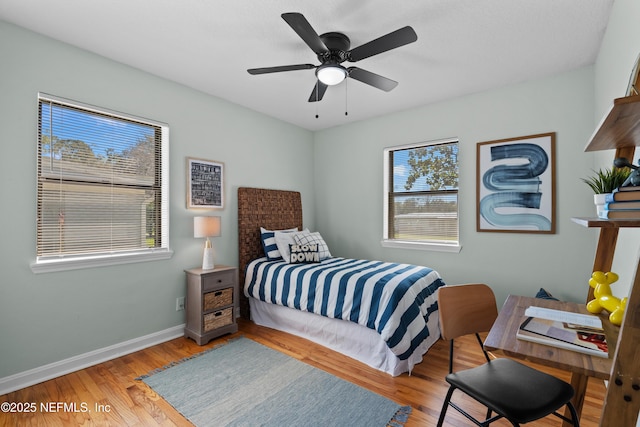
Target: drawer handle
218, 293
217, 314
219, 280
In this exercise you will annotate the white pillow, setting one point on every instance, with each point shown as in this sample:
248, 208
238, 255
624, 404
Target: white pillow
307, 238
283, 240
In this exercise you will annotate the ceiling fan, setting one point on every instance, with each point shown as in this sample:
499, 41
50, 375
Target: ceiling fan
332, 50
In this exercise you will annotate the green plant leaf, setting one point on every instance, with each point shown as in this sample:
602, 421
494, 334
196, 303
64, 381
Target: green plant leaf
605, 181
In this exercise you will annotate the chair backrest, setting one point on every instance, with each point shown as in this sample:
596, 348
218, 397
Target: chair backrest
466, 309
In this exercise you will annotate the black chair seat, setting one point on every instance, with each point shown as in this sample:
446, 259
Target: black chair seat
516, 391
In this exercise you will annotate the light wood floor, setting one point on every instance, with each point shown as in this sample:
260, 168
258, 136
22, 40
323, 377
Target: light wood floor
113, 397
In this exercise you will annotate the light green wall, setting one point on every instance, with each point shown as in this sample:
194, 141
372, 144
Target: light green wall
348, 185
618, 53
45, 318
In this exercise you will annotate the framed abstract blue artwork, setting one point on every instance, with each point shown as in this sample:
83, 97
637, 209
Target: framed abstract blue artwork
515, 185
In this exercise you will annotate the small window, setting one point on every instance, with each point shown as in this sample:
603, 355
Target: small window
421, 195
102, 193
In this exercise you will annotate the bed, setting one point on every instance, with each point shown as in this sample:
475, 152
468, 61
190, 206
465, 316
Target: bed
388, 317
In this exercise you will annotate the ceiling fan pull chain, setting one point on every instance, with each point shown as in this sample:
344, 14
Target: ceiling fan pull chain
317, 100
346, 98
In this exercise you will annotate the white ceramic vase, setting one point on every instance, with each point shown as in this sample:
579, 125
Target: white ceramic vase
600, 201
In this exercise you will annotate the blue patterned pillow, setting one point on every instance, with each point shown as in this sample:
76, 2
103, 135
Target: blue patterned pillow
269, 243
308, 238
303, 254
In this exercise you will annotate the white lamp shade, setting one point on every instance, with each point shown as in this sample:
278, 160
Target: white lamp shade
206, 226
331, 74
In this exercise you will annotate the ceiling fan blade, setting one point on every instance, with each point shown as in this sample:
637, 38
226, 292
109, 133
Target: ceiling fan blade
318, 91
306, 32
279, 69
372, 79
387, 42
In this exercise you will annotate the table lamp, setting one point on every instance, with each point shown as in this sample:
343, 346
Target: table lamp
206, 226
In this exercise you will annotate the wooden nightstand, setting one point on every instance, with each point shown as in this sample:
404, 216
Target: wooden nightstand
212, 298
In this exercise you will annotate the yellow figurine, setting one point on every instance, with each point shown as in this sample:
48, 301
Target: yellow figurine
604, 299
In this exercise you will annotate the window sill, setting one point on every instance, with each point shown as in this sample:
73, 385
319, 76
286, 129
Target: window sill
64, 264
421, 246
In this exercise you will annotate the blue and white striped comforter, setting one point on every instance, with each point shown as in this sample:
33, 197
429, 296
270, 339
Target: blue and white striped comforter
396, 300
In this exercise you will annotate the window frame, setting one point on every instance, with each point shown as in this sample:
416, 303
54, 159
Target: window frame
49, 263
433, 245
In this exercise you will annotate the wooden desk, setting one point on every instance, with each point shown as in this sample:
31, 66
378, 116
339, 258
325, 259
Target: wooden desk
502, 338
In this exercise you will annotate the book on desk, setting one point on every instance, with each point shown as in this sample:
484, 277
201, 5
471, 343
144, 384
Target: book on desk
572, 331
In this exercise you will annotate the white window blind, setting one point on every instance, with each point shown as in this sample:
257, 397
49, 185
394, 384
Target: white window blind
102, 183
421, 193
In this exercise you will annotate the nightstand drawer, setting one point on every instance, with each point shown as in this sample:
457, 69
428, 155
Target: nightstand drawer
216, 299
218, 319
218, 280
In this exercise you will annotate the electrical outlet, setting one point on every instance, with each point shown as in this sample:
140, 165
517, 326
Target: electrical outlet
180, 304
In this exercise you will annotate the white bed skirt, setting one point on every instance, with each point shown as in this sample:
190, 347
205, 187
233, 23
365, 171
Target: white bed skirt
348, 338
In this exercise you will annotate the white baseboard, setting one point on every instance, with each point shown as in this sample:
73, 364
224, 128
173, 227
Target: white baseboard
81, 361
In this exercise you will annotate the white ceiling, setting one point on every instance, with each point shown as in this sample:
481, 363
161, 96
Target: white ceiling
464, 46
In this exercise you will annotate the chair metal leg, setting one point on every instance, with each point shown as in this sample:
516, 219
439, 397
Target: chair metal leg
445, 406
574, 414
574, 420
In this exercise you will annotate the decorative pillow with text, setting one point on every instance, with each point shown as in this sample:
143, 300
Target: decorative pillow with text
304, 254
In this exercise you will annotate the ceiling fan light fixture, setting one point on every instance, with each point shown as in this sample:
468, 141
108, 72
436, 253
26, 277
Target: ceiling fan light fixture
334, 48
331, 74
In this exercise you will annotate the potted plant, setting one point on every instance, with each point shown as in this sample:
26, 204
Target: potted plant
604, 182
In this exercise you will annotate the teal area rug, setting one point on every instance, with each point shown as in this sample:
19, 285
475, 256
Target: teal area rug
243, 383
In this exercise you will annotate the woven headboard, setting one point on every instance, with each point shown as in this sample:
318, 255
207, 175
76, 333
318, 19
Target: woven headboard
271, 209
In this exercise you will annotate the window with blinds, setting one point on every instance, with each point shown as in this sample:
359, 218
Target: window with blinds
102, 183
421, 193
